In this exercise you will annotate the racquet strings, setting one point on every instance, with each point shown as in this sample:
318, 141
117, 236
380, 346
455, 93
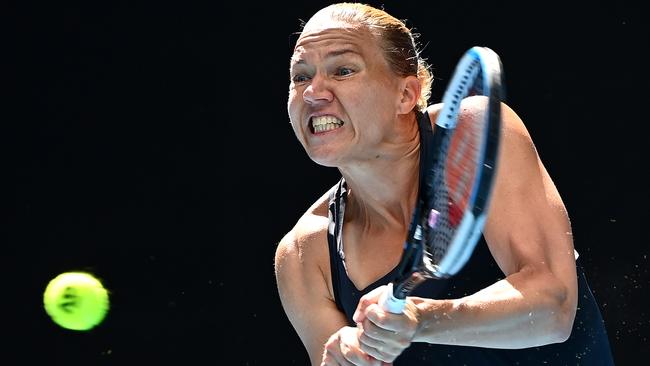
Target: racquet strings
454, 184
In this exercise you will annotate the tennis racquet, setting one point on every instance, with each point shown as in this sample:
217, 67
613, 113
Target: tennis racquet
455, 189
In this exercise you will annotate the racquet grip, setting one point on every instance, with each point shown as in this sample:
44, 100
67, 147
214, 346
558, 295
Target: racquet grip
389, 302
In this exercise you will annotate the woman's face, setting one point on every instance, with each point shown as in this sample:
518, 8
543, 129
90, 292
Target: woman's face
343, 96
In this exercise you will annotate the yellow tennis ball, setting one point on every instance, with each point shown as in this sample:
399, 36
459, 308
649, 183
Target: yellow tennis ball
76, 300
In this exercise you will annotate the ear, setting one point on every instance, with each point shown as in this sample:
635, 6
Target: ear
410, 90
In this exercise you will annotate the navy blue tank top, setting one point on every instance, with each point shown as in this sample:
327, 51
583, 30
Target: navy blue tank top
587, 345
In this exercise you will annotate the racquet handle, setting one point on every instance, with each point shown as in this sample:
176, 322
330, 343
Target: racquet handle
389, 302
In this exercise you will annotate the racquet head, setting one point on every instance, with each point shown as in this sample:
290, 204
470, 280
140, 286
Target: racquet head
457, 181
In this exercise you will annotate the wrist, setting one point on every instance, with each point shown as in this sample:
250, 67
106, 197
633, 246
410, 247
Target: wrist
433, 318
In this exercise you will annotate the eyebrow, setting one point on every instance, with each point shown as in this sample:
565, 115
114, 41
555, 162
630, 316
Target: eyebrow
330, 54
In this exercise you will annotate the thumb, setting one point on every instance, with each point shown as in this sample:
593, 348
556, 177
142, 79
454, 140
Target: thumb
366, 300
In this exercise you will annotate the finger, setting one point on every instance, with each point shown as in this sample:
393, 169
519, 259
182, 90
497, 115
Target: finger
333, 360
337, 352
383, 319
380, 354
332, 356
382, 348
366, 300
379, 350
371, 334
356, 357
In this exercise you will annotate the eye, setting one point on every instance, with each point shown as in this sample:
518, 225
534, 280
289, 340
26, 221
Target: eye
344, 71
299, 78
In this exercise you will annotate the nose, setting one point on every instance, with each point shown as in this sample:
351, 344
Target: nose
318, 91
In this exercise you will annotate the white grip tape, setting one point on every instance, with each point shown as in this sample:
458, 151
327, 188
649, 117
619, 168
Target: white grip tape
389, 303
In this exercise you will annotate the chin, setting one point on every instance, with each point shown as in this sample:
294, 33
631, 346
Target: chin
323, 161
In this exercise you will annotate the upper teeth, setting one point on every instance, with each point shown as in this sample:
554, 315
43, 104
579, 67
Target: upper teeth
325, 123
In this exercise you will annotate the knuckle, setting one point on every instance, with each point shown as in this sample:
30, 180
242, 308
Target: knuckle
403, 343
330, 345
347, 353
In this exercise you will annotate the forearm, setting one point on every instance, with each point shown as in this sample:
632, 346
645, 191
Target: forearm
523, 310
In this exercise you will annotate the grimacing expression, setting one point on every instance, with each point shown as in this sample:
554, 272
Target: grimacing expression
342, 93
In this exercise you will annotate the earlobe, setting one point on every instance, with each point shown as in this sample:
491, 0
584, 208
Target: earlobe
411, 90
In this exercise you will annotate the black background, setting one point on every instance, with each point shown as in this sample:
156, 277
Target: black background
149, 144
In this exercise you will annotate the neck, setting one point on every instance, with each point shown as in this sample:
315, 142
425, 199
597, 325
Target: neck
384, 191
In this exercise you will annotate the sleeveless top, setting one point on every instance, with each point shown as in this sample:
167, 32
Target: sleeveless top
587, 345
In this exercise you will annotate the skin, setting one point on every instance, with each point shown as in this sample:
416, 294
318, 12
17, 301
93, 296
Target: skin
340, 71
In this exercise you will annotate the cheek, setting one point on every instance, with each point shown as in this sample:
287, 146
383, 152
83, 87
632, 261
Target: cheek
295, 126
373, 95
293, 110
368, 104
294, 100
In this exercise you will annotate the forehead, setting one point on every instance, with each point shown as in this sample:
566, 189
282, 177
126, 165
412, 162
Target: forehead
326, 36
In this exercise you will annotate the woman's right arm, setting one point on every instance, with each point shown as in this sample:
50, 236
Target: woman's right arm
302, 273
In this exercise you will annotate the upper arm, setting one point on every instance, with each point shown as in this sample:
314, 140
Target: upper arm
302, 274
528, 227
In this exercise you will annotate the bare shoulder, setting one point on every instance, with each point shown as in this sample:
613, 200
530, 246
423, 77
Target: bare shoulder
512, 126
306, 242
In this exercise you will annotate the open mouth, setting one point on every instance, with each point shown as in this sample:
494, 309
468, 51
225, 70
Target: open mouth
324, 123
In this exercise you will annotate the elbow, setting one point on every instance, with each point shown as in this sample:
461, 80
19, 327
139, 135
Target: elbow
555, 307
561, 330
554, 325
562, 315
564, 324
